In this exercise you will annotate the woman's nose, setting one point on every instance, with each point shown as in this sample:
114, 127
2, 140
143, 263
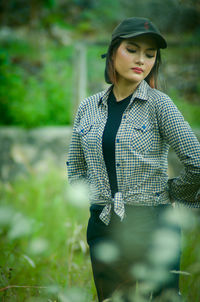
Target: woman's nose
140, 59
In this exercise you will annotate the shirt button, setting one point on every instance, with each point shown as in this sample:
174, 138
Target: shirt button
118, 165
124, 116
117, 140
67, 163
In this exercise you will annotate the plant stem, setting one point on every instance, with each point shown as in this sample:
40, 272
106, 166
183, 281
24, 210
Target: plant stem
20, 286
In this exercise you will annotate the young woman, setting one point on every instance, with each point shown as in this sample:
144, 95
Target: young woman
119, 147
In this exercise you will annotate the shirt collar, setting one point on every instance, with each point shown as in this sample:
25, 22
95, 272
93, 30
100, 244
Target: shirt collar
105, 94
141, 93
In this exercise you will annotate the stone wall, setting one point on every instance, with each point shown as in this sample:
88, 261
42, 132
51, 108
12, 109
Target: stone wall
32, 151
38, 150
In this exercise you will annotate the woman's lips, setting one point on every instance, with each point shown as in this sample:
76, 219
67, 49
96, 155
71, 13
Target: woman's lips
137, 70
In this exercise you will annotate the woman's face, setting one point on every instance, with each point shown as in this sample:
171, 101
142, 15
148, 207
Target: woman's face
134, 59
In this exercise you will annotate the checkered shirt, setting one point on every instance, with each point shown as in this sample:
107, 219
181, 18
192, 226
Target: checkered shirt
150, 124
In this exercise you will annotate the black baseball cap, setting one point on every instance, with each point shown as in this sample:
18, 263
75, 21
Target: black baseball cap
135, 26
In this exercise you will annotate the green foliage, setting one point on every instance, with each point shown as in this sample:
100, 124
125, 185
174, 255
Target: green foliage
190, 111
43, 240
44, 255
36, 84
96, 68
37, 80
102, 12
191, 263
171, 15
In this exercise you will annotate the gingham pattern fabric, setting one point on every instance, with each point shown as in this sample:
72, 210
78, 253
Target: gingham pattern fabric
118, 209
150, 124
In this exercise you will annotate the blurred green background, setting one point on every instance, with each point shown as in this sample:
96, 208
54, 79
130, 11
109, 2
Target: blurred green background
50, 57
39, 60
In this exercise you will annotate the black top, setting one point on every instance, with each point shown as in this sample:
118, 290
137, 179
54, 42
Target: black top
115, 112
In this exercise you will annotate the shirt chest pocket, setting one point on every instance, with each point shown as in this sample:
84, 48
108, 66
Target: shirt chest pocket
89, 135
143, 138
84, 129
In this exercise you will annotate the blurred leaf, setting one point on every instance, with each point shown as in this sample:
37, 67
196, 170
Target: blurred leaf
20, 226
38, 246
29, 260
78, 194
74, 295
6, 214
106, 251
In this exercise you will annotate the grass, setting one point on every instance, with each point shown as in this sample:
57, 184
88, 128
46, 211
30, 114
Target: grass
191, 262
43, 245
42, 240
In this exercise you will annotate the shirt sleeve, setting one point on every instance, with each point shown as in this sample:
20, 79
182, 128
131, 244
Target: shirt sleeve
76, 164
177, 132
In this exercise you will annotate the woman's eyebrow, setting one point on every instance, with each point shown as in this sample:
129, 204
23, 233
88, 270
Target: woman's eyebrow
135, 44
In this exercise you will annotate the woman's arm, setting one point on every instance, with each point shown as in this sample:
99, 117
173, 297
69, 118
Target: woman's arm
179, 135
76, 164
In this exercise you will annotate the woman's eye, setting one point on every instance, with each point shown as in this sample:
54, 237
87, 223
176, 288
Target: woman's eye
131, 50
150, 56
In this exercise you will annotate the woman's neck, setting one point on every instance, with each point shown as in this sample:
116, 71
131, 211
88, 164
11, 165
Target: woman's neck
122, 90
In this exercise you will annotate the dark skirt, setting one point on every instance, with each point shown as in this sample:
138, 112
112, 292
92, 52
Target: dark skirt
138, 250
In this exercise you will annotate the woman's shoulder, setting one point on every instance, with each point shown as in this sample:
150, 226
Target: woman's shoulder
93, 99
162, 103
159, 98
158, 95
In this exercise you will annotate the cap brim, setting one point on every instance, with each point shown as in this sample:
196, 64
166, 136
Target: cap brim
160, 40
